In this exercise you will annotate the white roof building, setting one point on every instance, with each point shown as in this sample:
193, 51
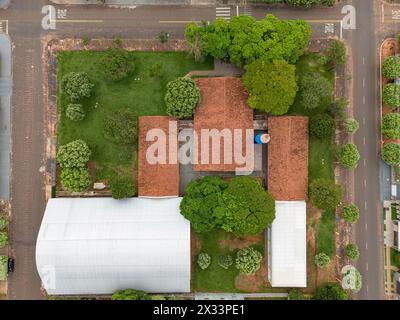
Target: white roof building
287, 245
100, 245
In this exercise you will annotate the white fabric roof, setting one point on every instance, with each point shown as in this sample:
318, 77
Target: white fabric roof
288, 246
99, 245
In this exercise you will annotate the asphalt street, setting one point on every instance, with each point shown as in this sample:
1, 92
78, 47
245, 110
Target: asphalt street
28, 140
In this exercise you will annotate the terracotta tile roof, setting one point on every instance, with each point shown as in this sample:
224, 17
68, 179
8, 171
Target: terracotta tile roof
288, 158
223, 106
156, 180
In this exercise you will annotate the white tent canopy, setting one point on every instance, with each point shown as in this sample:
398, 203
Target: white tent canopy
100, 245
287, 256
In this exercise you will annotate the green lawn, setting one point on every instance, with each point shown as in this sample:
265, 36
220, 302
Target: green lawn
321, 152
215, 278
394, 258
140, 93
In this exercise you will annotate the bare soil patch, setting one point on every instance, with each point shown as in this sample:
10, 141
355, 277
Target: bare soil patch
255, 282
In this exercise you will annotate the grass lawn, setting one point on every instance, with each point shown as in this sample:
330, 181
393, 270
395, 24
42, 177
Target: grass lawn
140, 93
215, 278
321, 152
394, 258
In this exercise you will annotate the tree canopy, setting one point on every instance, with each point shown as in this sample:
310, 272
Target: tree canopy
336, 53
322, 126
391, 67
313, 89
74, 154
76, 85
331, 291
349, 155
325, 194
182, 97
391, 95
272, 85
351, 213
350, 125
391, 153
391, 125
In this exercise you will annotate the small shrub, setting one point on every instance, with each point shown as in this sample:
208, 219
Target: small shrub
296, 294
75, 179
76, 85
203, 260
130, 294
182, 97
75, 112
349, 155
351, 213
331, 291
248, 260
225, 261
391, 125
117, 64
350, 125
336, 54
3, 239
3, 223
313, 89
321, 260
86, 40
118, 42
351, 251
163, 36
391, 153
74, 154
325, 194
122, 188
3, 267
322, 126
120, 127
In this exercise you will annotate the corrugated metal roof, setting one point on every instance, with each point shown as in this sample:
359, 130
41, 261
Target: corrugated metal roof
100, 245
288, 245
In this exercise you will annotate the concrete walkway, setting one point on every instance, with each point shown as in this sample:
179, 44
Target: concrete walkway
5, 105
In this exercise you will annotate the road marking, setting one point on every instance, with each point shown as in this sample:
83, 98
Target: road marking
365, 162
365, 205
366, 246
364, 120
366, 266
223, 12
76, 21
324, 21
366, 228
364, 83
367, 288
383, 12
363, 59
341, 29
363, 99
364, 141
237, 10
365, 183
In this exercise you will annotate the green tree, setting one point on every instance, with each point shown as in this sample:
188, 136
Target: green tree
296, 294
130, 294
349, 156
3, 223
350, 125
117, 64
75, 179
249, 208
216, 38
74, 154
391, 67
122, 188
203, 260
336, 53
313, 89
225, 261
195, 42
352, 252
3, 239
120, 127
331, 291
75, 112
325, 194
391, 95
248, 260
353, 280
272, 85
391, 125
76, 85
391, 153
321, 260
182, 97
3, 267
322, 126
270, 38
202, 203
351, 213
337, 108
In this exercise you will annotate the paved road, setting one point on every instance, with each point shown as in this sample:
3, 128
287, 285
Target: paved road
28, 199
366, 95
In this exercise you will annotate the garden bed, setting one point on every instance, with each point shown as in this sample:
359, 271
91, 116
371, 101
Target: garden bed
141, 94
217, 279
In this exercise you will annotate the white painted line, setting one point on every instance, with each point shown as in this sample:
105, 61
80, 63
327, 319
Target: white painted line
363, 99
365, 205
364, 83
223, 8
383, 13
237, 10
363, 60
223, 14
366, 228
364, 141
365, 183
366, 245
341, 29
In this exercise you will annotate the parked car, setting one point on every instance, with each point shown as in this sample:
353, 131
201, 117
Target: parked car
10, 264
